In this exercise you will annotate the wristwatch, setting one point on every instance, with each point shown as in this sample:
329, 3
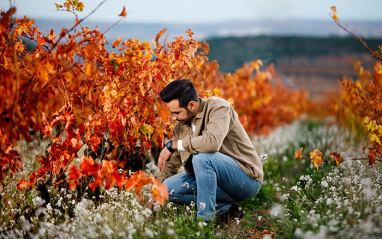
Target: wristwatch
169, 146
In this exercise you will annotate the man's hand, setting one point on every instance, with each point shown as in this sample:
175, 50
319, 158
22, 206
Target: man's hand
164, 156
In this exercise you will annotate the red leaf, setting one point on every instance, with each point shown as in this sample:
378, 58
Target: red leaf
92, 186
110, 181
74, 175
123, 13
88, 166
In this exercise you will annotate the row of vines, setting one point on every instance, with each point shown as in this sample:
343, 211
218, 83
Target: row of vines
72, 91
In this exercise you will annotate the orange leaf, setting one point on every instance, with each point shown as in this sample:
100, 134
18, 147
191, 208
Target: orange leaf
189, 33
123, 13
337, 157
298, 153
315, 157
22, 183
130, 182
107, 167
117, 42
159, 35
160, 193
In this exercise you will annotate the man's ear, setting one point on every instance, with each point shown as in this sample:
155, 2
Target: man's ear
191, 105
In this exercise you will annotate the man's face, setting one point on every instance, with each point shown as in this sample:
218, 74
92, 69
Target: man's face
183, 115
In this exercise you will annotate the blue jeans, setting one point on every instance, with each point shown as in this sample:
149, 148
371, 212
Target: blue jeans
218, 182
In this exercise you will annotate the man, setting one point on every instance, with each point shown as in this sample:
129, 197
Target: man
221, 165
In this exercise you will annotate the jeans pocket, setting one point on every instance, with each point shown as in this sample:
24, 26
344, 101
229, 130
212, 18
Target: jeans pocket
248, 190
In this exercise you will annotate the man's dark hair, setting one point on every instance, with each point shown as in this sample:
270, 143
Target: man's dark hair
183, 90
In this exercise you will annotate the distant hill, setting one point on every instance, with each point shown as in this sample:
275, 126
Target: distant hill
232, 52
312, 63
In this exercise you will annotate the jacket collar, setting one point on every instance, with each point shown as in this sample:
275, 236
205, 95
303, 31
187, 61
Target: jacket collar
202, 104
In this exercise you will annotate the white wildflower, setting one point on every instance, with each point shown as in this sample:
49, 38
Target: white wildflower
202, 224
38, 201
277, 210
202, 205
295, 188
170, 231
149, 233
98, 218
324, 183
139, 218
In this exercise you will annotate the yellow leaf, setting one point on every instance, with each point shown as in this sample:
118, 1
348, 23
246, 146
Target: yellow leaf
208, 93
256, 64
371, 126
366, 120
217, 92
358, 83
231, 101
147, 130
375, 138
334, 13
335, 18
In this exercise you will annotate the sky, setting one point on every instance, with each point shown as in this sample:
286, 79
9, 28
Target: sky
204, 11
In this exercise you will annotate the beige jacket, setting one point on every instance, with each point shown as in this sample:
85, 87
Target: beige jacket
217, 129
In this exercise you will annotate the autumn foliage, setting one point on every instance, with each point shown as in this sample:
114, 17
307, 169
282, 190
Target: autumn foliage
71, 90
359, 107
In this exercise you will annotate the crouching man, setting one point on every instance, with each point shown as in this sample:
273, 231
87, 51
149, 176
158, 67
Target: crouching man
221, 165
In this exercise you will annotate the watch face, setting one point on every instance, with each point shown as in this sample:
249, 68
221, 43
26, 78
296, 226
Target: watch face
169, 144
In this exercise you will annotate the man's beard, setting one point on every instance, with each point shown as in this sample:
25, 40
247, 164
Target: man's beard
189, 118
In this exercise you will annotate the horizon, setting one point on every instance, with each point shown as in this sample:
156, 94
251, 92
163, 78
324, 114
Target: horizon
199, 11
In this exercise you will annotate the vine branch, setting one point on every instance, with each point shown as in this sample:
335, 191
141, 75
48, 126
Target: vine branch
374, 53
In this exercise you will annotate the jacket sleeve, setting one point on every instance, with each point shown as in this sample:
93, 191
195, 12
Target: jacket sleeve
211, 139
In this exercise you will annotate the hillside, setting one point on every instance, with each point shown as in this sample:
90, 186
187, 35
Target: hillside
312, 63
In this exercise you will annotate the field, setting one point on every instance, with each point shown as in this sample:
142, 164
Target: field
295, 201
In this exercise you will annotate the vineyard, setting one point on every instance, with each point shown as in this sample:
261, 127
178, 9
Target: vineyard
81, 126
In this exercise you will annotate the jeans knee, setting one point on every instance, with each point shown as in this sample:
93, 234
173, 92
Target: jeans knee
200, 159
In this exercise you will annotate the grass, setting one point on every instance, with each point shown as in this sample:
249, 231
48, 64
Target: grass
295, 201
